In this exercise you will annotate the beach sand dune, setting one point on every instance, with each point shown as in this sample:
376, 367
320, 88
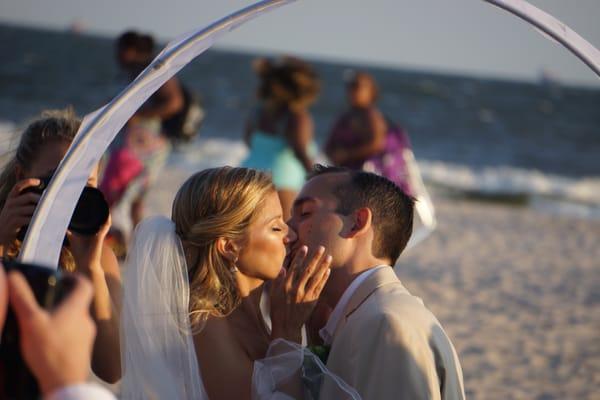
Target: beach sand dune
518, 292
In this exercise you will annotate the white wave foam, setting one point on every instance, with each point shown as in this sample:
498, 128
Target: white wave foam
207, 153
210, 152
560, 207
511, 181
549, 193
7, 130
6, 127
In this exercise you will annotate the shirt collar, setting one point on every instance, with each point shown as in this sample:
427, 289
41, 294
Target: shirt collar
328, 330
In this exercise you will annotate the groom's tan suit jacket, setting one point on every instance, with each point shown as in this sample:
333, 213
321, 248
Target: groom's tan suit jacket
388, 345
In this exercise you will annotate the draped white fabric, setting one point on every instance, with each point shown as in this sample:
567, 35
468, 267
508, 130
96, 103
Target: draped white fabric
290, 371
423, 204
157, 351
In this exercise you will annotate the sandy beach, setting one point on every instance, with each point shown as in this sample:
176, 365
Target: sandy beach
517, 291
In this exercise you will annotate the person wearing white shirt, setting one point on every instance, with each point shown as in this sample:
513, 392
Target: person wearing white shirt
56, 345
384, 342
326, 333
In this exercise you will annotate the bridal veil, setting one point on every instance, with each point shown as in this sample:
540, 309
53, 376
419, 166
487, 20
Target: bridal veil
157, 352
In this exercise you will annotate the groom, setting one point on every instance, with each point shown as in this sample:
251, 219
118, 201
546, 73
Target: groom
384, 342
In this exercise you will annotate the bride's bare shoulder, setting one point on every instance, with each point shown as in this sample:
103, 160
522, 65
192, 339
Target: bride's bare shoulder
222, 355
216, 340
214, 330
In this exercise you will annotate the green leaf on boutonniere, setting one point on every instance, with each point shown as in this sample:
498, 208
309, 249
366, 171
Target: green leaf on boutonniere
320, 351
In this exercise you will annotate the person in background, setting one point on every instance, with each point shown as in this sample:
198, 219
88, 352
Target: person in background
279, 132
170, 116
178, 110
42, 146
56, 345
362, 138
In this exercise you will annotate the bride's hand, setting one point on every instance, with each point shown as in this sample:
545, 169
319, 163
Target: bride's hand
295, 292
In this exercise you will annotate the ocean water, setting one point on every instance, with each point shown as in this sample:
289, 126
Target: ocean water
494, 139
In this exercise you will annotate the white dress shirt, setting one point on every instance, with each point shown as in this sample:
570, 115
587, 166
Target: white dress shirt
328, 330
82, 391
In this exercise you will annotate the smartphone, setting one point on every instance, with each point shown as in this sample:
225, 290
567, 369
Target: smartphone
49, 286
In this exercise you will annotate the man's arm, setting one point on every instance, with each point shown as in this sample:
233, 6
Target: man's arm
395, 361
171, 101
299, 133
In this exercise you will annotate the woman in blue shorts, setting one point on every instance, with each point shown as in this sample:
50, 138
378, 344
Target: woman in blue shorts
279, 132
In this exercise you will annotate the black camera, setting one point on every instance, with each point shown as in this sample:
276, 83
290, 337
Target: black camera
49, 286
91, 211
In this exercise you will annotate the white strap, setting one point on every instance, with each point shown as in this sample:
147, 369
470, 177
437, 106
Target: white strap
82, 391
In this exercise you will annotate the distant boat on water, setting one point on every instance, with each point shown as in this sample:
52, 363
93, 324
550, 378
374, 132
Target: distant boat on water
548, 77
550, 80
77, 26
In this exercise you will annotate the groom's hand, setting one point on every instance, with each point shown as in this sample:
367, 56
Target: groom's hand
295, 292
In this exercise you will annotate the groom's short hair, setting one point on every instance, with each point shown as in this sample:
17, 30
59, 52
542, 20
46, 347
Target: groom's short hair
392, 209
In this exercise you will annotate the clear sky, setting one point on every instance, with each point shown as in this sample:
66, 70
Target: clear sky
463, 36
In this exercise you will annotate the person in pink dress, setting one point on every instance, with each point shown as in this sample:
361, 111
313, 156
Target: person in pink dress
362, 138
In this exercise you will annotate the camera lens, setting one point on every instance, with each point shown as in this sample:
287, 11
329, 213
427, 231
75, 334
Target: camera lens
90, 213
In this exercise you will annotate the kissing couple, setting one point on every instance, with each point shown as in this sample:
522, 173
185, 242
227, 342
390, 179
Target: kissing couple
192, 326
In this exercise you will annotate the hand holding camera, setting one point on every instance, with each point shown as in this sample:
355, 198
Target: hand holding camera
18, 209
55, 339
89, 216
87, 249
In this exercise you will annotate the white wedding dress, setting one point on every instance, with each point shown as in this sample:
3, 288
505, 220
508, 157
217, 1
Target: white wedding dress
157, 351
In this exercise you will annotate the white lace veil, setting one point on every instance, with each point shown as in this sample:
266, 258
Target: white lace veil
290, 371
157, 350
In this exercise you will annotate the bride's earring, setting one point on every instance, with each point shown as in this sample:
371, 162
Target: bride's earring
233, 269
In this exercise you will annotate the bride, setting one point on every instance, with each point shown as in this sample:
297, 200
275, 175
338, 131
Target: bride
191, 323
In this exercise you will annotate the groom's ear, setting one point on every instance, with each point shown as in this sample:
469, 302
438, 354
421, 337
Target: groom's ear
361, 221
228, 248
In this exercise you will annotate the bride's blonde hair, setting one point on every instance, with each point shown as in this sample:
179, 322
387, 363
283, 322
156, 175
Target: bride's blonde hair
212, 204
